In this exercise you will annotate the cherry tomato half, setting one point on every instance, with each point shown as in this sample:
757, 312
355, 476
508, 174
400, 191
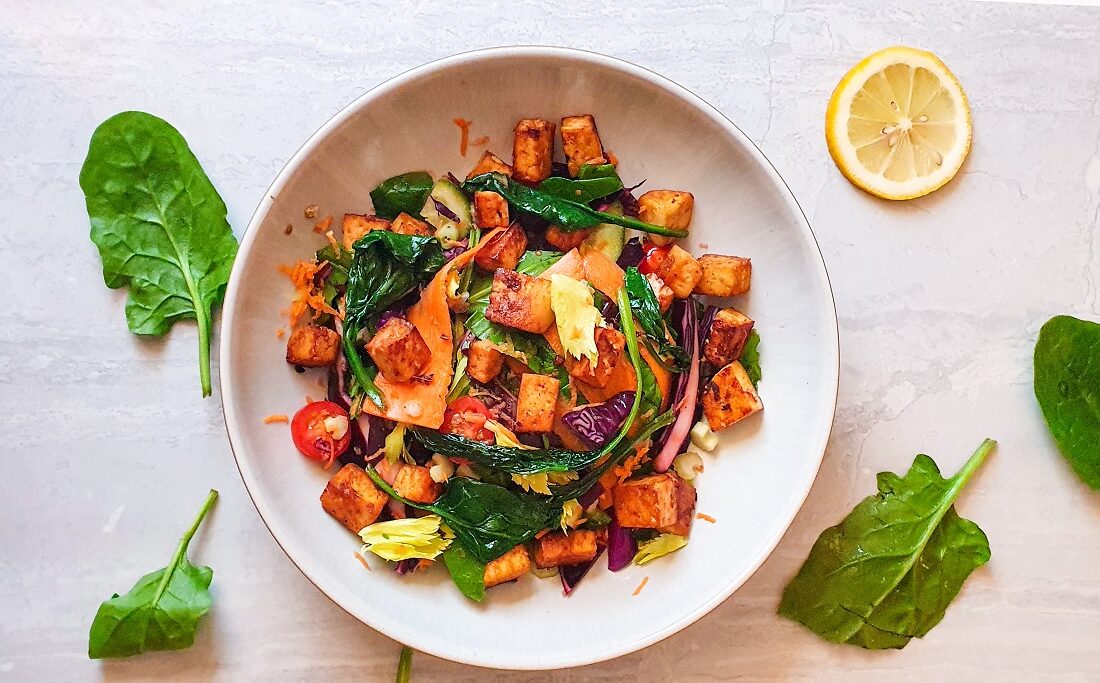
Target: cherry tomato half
466, 417
316, 439
653, 257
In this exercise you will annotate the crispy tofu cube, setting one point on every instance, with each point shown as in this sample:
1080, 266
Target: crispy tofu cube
538, 396
609, 345
533, 150
352, 498
356, 225
730, 397
566, 241
660, 290
669, 208
483, 361
556, 549
489, 163
520, 301
405, 224
399, 351
724, 275
415, 483
508, 567
581, 142
660, 501
490, 210
504, 249
680, 271
726, 339
312, 346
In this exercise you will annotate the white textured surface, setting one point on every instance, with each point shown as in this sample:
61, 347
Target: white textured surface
939, 300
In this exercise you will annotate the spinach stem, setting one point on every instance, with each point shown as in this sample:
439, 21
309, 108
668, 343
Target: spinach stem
182, 547
404, 665
202, 317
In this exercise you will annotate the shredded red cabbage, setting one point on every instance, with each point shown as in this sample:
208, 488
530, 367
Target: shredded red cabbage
590, 496
444, 211
597, 423
368, 433
621, 546
632, 253
406, 566
673, 439
572, 574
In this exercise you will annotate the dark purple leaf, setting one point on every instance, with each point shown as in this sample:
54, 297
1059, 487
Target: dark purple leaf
590, 496
597, 423
455, 251
621, 546
444, 211
572, 574
406, 566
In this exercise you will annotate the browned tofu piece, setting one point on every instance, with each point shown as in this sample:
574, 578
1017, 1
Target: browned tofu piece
660, 501
508, 567
489, 163
566, 241
727, 337
405, 224
356, 225
581, 142
312, 346
352, 498
415, 483
556, 549
504, 249
660, 290
483, 361
669, 208
609, 346
724, 275
399, 351
730, 397
680, 271
490, 210
520, 301
538, 395
533, 150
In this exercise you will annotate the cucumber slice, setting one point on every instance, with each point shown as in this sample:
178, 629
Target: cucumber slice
447, 229
606, 237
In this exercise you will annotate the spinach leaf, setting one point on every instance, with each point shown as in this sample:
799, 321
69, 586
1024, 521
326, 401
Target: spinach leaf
405, 193
162, 610
887, 573
646, 309
512, 460
535, 263
1067, 386
565, 213
589, 171
386, 267
159, 225
750, 357
466, 571
581, 190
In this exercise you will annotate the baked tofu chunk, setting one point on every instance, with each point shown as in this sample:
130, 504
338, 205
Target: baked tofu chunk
490, 210
664, 502
581, 142
533, 150
356, 225
520, 301
680, 271
730, 397
508, 567
726, 339
312, 346
405, 224
609, 346
723, 275
416, 484
483, 361
399, 351
660, 290
669, 208
538, 396
566, 241
556, 549
352, 498
504, 249
489, 163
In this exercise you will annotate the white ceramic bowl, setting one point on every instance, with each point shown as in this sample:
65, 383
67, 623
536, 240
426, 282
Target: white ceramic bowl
753, 484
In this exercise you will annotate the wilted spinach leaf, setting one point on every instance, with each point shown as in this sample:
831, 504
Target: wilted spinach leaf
512, 460
750, 357
405, 193
647, 311
466, 571
581, 190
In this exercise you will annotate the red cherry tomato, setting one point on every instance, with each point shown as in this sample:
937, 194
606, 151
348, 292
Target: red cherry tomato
466, 417
313, 438
653, 257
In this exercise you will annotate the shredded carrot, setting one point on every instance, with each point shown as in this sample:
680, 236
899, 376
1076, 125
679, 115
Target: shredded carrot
478, 142
362, 561
422, 564
705, 518
611, 158
280, 333
645, 580
464, 125
307, 295
323, 227
271, 419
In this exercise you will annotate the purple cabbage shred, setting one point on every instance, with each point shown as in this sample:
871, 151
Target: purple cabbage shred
597, 423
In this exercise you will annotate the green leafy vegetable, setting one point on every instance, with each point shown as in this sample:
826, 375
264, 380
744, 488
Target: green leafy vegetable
405, 193
466, 571
646, 309
1067, 386
535, 263
596, 519
162, 610
511, 460
404, 665
386, 268
590, 171
750, 357
159, 225
887, 573
581, 190
565, 213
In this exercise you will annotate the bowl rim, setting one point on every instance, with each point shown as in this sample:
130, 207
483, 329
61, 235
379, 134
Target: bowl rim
396, 82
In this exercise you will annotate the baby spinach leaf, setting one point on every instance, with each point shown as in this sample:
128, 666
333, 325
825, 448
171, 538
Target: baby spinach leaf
647, 311
466, 571
887, 573
579, 190
535, 263
589, 171
1067, 386
750, 357
162, 610
567, 214
159, 225
405, 193
512, 460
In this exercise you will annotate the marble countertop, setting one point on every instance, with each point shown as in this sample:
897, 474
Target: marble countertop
110, 448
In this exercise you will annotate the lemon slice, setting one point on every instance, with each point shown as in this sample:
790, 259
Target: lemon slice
898, 124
